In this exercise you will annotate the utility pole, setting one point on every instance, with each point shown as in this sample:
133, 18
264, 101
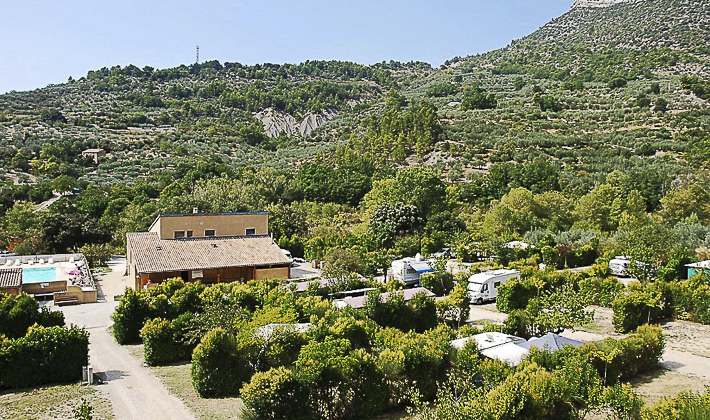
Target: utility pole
197, 54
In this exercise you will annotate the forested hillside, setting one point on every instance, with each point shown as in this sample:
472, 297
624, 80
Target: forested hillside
587, 140
595, 124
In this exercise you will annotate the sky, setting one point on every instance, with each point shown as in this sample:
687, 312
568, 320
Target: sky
47, 41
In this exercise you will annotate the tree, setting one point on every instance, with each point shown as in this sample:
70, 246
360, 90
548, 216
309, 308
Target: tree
341, 263
421, 187
660, 105
476, 98
389, 221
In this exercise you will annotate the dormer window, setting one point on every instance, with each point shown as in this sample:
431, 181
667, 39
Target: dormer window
209, 232
251, 231
179, 234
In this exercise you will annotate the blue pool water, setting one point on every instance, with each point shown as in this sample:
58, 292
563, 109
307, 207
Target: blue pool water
38, 275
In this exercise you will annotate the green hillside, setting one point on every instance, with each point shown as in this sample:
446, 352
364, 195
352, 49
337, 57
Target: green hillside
620, 90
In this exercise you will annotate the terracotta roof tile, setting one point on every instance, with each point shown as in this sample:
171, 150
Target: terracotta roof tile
153, 255
10, 278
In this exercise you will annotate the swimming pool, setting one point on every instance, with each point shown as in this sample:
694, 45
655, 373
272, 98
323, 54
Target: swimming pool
39, 275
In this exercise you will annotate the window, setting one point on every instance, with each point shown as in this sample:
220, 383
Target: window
179, 234
251, 231
484, 288
189, 234
496, 284
209, 232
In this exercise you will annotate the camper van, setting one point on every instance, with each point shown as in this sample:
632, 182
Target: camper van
483, 287
410, 270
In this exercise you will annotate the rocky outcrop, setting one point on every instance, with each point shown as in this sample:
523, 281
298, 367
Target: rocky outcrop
277, 122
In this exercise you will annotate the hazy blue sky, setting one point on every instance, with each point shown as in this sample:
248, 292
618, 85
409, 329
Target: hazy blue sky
48, 41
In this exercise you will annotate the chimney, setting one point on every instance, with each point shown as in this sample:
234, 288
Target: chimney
195, 210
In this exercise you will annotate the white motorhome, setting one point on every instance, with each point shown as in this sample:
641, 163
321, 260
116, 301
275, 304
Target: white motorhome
409, 270
484, 286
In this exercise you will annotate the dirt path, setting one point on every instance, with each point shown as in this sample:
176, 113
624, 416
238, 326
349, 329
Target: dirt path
134, 391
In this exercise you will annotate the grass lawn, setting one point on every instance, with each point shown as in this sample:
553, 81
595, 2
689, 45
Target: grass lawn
52, 402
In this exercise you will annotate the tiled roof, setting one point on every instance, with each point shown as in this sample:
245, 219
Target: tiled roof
154, 255
10, 278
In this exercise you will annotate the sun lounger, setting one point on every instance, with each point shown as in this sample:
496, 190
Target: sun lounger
71, 259
41, 260
8, 262
51, 260
18, 262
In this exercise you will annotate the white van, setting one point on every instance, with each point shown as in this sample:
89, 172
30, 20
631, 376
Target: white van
483, 287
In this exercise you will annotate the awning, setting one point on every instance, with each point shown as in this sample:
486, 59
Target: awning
422, 267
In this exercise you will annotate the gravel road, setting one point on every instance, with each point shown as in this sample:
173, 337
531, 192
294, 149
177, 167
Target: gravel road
134, 391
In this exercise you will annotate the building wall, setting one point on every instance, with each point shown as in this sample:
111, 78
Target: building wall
36, 288
222, 224
10, 290
272, 273
221, 275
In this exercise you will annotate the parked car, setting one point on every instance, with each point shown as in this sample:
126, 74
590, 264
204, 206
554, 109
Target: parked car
443, 252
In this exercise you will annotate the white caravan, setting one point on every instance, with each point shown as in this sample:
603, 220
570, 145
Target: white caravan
410, 270
618, 265
484, 286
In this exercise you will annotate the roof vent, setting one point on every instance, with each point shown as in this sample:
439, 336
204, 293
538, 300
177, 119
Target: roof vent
195, 210
158, 248
214, 245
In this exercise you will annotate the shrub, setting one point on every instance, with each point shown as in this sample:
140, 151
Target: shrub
218, 368
19, 312
276, 394
43, 355
624, 359
162, 342
686, 405
515, 294
129, 317
637, 307
438, 283
600, 291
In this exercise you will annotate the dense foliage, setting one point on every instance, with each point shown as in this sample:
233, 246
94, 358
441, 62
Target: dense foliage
42, 356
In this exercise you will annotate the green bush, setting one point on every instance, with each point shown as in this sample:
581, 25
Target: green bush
218, 368
637, 307
129, 317
44, 355
19, 312
600, 291
438, 283
686, 405
162, 342
515, 294
623, 359
276, 395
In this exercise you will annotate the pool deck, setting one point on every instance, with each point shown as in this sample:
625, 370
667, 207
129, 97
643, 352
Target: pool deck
63, 277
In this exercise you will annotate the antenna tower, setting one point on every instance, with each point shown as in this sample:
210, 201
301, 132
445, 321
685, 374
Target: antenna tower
197, 54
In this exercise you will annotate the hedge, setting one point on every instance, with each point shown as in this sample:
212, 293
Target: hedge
218, 368
129, 317
640, 352
641, 305
19, 312
163, 342
44, 355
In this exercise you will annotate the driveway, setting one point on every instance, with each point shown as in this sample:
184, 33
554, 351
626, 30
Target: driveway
134, 391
